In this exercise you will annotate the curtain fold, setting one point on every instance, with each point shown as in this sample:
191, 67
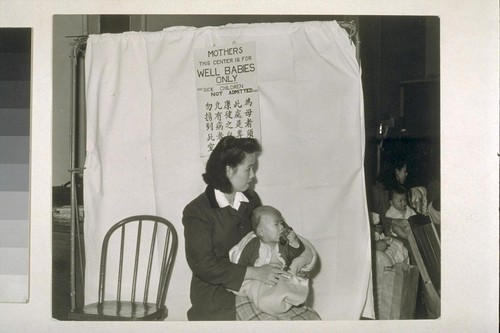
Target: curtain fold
143, 154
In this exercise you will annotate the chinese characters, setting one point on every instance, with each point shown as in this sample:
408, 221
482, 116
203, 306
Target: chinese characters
228, 99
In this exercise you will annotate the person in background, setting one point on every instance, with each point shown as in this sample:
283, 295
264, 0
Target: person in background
398, 210
393, 175
214, 222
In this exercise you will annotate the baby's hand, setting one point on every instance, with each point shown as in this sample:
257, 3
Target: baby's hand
292, 236
293, 240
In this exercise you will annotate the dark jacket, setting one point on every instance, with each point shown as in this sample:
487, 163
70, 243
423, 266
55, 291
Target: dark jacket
210, 232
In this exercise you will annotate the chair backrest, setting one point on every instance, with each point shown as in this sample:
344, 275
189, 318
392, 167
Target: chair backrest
429, 245
146, 247
425, 249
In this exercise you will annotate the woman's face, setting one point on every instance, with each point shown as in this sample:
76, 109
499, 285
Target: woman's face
243, 174
401, 174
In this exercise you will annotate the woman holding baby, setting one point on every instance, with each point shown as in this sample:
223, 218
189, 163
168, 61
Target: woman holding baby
216, 221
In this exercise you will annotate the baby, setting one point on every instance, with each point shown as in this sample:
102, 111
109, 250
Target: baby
273, 242
398, 211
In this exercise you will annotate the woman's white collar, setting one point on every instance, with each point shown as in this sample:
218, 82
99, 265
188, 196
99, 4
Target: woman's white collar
222, 201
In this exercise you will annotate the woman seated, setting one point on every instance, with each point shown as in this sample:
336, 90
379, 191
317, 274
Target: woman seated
394, 175
217, 220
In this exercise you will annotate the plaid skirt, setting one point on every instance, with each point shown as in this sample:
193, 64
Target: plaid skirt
246, 310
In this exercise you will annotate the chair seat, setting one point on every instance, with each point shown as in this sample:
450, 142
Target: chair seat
116, 311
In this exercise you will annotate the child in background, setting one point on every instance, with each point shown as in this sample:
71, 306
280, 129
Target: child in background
398, 211
390, 250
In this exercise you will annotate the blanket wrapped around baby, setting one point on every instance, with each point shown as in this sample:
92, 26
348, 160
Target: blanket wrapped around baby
279, 298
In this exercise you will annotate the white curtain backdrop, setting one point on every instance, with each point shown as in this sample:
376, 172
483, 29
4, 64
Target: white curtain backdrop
143, 154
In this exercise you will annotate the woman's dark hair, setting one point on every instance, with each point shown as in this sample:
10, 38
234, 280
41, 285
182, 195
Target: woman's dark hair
388, 172
230, 151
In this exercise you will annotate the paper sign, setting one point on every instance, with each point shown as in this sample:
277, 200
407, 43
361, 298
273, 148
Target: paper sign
227, 94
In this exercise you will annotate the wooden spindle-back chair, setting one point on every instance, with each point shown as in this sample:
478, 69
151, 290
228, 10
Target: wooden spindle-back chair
163, 240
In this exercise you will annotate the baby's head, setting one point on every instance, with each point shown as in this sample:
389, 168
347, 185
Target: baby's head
398, 198
267, 223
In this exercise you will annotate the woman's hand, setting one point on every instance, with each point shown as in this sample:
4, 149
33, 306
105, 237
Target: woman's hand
269, 274
400, 231
400, 228
303, 274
